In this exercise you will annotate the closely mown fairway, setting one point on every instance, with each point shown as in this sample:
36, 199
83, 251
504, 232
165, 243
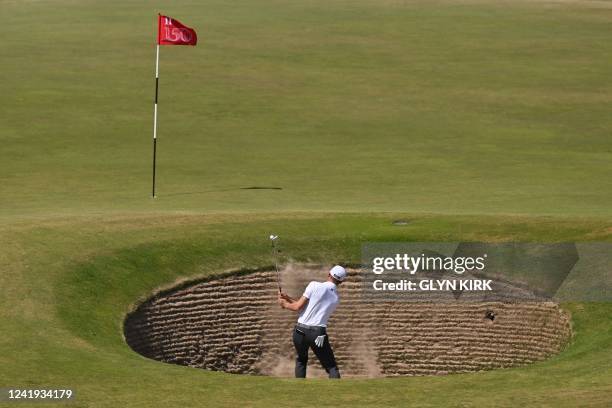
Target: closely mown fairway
477, 120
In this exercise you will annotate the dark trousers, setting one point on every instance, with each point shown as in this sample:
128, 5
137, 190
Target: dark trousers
303, 339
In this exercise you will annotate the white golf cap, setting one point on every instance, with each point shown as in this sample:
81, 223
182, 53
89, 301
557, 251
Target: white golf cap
338, 273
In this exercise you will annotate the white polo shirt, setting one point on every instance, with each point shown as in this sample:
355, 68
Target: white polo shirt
322, 301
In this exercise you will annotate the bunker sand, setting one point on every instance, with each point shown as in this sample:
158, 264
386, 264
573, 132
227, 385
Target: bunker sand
233, 324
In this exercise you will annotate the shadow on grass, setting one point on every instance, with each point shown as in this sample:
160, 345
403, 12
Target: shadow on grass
221, 190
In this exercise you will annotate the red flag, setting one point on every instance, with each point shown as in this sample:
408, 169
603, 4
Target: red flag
172, 32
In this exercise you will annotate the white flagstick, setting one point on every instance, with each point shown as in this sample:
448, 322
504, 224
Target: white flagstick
155, 116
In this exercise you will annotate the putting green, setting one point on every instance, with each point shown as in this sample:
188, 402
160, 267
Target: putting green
449, 107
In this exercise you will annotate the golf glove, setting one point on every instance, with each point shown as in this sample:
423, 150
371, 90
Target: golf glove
320, 340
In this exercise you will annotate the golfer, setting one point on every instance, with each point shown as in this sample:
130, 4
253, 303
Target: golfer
318, 302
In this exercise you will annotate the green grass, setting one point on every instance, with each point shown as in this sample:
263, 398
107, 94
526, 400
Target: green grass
71, 281
478, 120
367, 105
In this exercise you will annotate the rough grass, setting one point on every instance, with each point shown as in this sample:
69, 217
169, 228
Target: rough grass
71, 282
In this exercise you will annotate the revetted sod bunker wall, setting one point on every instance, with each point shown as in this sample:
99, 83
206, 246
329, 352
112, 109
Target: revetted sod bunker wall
233, 324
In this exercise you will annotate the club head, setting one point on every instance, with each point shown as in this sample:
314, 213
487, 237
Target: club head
273, 237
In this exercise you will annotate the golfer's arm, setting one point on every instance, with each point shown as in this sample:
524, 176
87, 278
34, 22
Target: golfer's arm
287, 298
296, 305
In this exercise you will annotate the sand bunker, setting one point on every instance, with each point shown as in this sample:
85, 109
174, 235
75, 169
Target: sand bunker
233, 324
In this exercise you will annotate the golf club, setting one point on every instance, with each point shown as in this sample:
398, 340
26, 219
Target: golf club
273, 239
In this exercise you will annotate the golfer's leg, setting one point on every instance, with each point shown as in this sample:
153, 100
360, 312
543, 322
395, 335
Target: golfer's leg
301, 348
325, 355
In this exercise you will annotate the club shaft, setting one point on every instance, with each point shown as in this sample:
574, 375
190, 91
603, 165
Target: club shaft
275, 255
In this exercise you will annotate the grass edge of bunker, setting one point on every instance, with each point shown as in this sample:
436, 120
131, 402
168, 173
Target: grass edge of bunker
92, 289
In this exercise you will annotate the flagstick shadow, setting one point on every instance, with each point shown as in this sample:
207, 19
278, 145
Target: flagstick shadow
221, 190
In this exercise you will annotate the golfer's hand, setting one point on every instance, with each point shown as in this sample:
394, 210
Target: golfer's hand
286, 297
282, 301
320, 340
